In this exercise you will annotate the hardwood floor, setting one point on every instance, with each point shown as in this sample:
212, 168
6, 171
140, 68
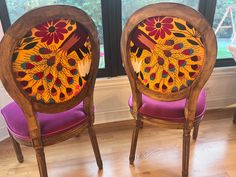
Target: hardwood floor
158, 152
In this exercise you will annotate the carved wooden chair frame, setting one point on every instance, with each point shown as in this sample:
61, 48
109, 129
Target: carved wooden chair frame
191, 93
29, 106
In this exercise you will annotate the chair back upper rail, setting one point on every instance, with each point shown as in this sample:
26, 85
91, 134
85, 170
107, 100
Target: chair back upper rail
46, 16
162, 11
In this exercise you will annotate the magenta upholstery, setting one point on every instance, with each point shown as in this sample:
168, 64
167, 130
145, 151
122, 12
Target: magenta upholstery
51, 124
171, 111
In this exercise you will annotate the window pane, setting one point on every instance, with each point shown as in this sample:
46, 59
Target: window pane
17, 8
224, 26
127, 11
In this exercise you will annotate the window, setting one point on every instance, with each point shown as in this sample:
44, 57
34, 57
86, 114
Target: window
111, 15
224, 26
127, 11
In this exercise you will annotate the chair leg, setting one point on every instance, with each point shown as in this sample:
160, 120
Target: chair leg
17, 149
141, 124
41, 162
95, 146
134, 141
234, 120
195, 130
186, 151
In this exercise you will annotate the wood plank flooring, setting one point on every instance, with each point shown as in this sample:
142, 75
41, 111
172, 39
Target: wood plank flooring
158, 152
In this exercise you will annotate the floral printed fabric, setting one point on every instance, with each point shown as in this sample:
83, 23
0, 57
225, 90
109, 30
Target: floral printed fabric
166, 53
52, 61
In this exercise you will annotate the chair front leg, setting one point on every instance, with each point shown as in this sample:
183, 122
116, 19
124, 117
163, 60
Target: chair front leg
40, 156
95, 146
17, 149
195, 130
138, 125
186, 151
41, 161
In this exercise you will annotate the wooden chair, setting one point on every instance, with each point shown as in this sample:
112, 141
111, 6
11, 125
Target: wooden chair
49, 60
169, 52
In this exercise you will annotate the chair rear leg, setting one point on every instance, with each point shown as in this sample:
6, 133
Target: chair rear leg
186, 152
41, 162
17, 149
234, 120
95, 146
141, 125
134, 141
195, 130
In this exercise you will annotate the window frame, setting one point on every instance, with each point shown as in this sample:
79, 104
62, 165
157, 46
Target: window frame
4, 16
112, 29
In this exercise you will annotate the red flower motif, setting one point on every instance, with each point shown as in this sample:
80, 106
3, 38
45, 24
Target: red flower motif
51, 31
159, 26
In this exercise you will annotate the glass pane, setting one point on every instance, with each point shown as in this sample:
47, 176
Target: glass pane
225, 27
92, 7
127, 11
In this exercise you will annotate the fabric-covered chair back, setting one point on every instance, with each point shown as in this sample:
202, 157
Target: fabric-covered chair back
51, 60
168, 49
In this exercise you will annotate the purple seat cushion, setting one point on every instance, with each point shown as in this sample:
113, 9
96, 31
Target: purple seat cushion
50, 124
171, 111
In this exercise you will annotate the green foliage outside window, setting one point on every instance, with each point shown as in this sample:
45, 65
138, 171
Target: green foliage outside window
92, 7
129, 6
221, 8
224, 34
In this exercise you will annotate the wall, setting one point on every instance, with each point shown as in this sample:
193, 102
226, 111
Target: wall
111, 95
3, 100
1, 31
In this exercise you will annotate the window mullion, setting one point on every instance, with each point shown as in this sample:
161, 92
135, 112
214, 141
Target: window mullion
4, 17
111, 10
207, 8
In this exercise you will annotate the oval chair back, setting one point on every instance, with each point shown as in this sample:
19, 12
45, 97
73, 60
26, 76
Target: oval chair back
49, 61
169, 52
50, 58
